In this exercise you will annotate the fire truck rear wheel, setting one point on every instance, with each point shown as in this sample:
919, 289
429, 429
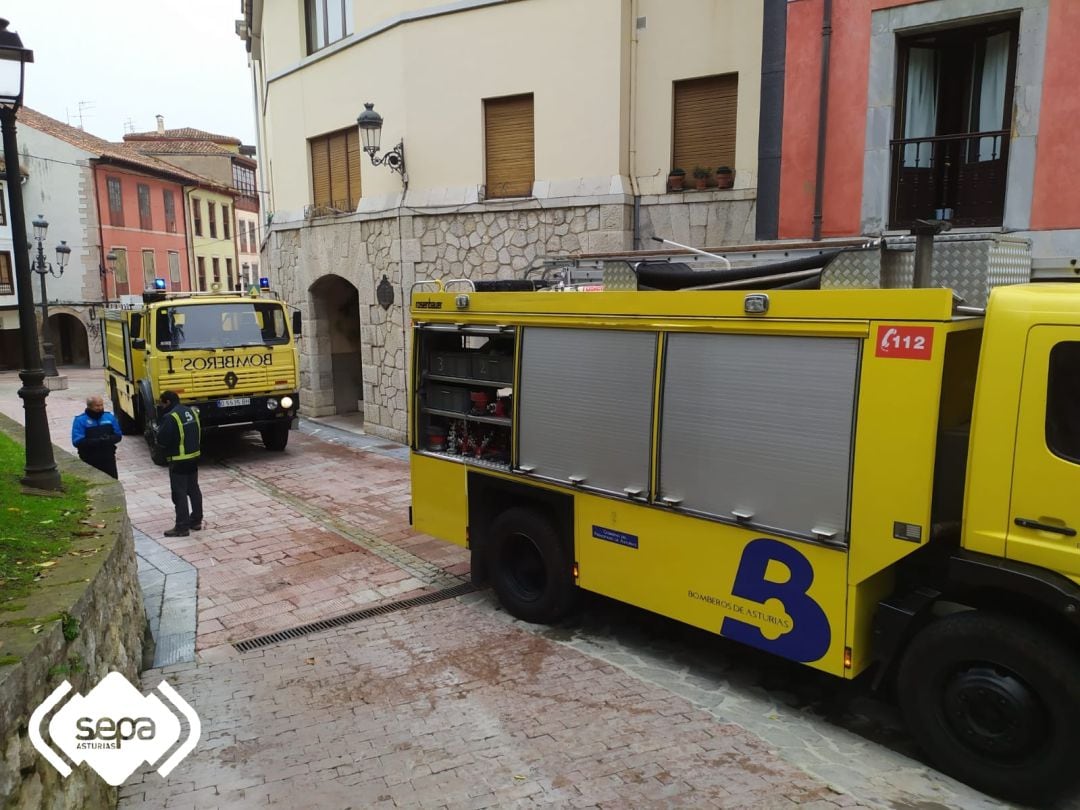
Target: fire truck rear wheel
530, 567
995, 702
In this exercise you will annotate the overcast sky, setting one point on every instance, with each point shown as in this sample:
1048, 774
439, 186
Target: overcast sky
134, 59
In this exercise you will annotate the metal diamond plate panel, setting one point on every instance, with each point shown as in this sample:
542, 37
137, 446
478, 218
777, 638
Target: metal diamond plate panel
619, 276
971, 265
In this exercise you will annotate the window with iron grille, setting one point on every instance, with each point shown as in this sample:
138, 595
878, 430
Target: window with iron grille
174, 269
704, 118
509, 148
170, 210
7, 286
146, 221
226, 230
211, 216
952, 128
196, 215
116, 202
335, 171
327, 21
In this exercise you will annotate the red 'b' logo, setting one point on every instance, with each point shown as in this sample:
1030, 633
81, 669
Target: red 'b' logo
907, 342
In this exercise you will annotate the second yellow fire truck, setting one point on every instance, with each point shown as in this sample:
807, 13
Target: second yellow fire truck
231, 355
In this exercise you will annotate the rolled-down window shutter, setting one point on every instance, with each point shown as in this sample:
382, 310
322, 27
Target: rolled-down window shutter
339, 172
320, 172
353, 156
704, 122
509, 146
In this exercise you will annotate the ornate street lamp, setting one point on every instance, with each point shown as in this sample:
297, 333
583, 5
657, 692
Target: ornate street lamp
370, 124
41, 267
41, 472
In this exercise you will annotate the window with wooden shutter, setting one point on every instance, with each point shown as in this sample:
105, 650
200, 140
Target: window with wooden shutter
149, 269
7, 285
170, 211
120, 274
509, 148
705, 113
116, 202
335, 171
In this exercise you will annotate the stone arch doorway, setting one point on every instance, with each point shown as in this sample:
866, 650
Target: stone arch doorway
71, 346
334, 339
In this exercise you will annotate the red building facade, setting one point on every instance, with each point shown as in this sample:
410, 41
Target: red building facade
142, 221
936, 109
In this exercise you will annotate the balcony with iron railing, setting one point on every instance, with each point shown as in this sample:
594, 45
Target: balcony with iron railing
961, 178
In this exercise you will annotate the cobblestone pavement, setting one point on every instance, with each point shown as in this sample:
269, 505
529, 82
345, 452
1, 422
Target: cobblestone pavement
455, 704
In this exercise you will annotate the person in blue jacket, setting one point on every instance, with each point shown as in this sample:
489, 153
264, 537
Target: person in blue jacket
95, 433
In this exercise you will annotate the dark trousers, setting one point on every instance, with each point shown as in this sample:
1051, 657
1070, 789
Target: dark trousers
104, 462
185, 486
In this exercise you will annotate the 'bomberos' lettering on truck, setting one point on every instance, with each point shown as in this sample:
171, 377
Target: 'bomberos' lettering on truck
232, 356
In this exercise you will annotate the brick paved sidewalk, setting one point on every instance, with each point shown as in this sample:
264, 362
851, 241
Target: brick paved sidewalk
314, 532
444, 706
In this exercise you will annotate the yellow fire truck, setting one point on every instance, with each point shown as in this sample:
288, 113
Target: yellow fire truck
863, 479
230, 355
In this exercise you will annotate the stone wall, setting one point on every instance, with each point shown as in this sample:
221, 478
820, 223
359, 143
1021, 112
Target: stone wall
478, 241
90, 610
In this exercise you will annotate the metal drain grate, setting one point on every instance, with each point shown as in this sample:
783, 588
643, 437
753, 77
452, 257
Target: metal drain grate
355, 616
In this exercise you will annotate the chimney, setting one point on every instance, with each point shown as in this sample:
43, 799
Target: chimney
161, 124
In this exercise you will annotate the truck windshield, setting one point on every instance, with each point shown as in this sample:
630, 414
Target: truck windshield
218, 326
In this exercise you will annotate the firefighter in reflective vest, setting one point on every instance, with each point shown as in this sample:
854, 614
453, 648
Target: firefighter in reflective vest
179, 434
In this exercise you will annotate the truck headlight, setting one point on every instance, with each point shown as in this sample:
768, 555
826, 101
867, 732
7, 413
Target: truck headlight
271, 404
286, 402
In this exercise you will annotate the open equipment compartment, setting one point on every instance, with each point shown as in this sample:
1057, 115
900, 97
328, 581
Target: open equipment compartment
464, 396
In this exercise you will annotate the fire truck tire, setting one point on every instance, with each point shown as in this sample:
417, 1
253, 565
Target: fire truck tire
530, 568
275, 438
157, 455
995, 702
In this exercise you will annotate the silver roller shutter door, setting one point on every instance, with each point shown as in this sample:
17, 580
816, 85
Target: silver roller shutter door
586, 406
762, 426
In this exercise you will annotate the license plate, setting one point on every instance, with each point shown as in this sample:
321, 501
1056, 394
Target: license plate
234, 403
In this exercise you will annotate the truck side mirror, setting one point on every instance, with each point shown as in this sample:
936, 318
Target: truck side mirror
138, 343
296, 324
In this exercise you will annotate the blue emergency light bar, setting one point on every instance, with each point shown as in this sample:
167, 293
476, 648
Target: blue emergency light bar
264, 283
159, 284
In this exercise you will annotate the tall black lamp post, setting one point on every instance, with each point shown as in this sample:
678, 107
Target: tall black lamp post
41, 472
43, 268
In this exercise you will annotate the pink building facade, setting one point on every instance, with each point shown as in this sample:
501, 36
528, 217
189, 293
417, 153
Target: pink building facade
936, 109
142, 221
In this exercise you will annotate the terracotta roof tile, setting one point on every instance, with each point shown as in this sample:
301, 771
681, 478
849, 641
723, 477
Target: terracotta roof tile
182, 134
106, 150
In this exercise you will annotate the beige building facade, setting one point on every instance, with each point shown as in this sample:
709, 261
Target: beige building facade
531, 129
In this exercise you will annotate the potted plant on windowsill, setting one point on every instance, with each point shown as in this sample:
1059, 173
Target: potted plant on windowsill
675, 179
725, 177
701, 177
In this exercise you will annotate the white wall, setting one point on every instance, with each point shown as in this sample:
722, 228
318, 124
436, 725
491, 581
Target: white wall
428, 76
64, 193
